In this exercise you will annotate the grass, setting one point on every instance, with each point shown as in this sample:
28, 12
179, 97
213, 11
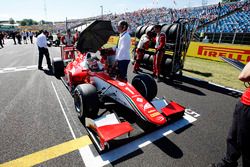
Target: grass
217, 72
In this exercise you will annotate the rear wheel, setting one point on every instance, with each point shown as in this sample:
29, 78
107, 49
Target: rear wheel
58, 66
145, 85
86, 101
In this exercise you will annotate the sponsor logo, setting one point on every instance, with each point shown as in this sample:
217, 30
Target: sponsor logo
147, 106
139, 100
150, 111
160, 118
155, 114
111, 40
121, 84
129, 90
242, 55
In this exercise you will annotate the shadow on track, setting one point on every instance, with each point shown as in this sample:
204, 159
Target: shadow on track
164, 144
179, 85
48, 72
204, 74
208, 86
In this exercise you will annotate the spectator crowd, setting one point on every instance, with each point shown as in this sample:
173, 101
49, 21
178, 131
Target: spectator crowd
239, 19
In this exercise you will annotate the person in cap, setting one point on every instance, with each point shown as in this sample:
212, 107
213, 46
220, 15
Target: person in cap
143, 45
43, 50
122, 57
160, 41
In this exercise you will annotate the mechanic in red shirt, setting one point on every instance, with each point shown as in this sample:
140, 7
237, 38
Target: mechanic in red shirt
140, 50
76, 35
238, 140
68, 40
160, 42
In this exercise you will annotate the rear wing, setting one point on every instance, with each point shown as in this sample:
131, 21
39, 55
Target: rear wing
237, 64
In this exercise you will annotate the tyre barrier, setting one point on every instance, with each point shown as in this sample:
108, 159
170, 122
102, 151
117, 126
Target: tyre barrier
137, 32
166, 66
171, 30
173, 33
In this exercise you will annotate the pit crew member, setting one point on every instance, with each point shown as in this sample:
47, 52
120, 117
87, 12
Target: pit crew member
68, 40
160, 42
140, 50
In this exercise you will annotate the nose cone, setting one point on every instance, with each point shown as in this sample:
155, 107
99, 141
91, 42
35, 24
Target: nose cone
159, 120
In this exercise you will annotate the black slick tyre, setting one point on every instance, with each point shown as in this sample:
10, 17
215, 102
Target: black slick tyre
58, 66
86, 101
145, 85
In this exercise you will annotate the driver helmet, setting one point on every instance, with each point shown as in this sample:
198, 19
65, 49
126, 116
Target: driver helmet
91, 62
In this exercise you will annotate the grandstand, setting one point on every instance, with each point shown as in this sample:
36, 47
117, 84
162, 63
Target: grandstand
219, 20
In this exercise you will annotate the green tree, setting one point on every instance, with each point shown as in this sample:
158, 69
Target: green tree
11, 21
23, 23
28, 22
42, 22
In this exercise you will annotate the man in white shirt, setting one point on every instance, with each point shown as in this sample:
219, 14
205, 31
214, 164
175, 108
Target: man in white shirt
43, 50
122, 57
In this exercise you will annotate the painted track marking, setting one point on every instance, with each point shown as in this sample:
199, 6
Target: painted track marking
91, 160
49, 153
17, 69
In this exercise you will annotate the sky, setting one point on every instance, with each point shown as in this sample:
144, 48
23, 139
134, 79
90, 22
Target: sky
58, 10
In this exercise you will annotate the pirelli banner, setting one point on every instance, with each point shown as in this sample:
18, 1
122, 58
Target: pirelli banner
114, 40
212, 51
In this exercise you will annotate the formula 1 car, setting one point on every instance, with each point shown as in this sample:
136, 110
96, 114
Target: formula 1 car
92, 89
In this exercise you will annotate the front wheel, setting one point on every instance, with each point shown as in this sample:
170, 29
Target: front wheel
145, 85
86, 101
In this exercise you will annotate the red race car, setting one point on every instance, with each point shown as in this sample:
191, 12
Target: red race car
92, 88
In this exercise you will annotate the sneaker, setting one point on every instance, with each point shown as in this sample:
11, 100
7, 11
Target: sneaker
40, 68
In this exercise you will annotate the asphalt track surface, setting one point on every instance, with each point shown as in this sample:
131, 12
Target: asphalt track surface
38, 123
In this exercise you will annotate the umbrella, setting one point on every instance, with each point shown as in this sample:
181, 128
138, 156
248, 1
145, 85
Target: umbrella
94, 36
